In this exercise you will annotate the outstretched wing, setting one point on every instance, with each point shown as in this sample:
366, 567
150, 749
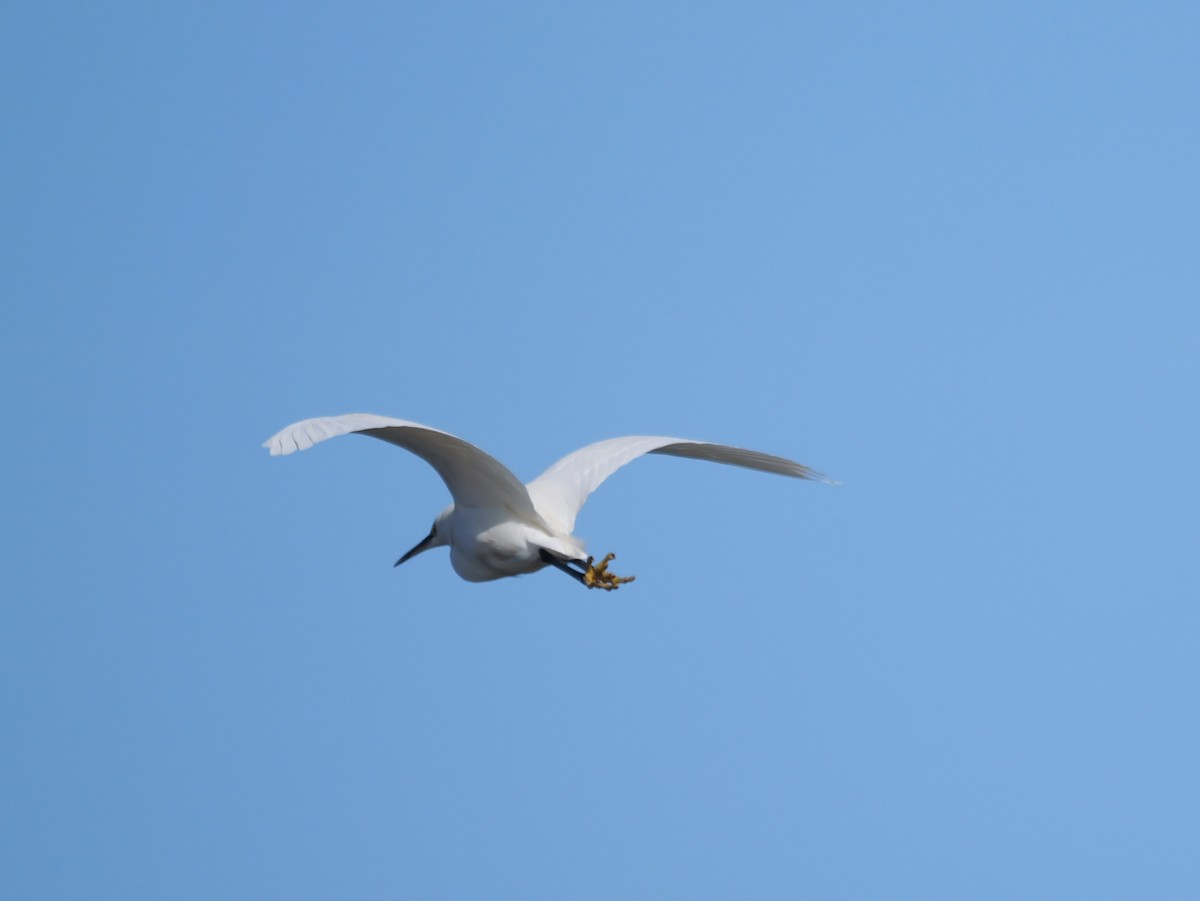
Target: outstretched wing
475, 479
560, 492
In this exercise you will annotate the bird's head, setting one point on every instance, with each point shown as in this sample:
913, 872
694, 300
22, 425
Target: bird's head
438, 536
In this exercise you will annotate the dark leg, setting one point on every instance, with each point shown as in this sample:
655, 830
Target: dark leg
595, 575
559, 563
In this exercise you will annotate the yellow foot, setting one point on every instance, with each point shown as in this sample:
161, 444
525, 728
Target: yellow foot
598, 576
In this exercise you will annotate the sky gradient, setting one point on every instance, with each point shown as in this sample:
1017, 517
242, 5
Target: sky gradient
945, 254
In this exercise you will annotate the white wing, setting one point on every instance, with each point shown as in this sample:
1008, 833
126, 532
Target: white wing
560, 492
474, 478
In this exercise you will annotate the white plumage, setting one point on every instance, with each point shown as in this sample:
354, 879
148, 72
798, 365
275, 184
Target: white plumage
496, 526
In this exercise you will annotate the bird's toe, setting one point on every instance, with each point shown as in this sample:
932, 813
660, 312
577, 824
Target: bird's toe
598, 576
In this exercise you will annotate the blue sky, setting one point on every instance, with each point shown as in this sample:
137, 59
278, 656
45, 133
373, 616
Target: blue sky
945, 253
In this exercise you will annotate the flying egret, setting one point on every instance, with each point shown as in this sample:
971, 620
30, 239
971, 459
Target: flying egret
496, 526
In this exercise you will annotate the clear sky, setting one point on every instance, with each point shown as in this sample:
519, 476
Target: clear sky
946, 253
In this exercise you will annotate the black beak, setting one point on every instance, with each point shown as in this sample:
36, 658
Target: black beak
420, 547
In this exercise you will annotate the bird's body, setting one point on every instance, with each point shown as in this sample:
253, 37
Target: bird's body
497, 527
486, 546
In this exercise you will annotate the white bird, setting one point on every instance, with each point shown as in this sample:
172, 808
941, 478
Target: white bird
496, 526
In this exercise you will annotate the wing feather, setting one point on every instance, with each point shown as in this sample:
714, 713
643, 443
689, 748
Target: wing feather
560, 492
475, 479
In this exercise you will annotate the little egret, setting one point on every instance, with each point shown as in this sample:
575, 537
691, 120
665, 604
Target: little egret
496, 526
